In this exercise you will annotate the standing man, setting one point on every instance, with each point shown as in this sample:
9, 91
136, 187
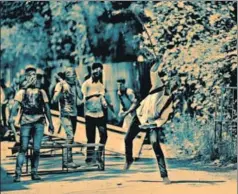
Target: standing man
68, 94
34, 105
94, 105
128, 103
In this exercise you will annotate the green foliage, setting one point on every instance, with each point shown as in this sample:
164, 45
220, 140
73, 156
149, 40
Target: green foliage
191, 138
197, 42
21, 40
69, 36
48, 31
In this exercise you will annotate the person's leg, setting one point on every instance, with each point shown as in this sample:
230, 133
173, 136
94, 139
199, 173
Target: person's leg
24, 140
130, 135
90, 133
74, 127
67, 124
37, 132
154, 140
74, 124
4, 106
101, 124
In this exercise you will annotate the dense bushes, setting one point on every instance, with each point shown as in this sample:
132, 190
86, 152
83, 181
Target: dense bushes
197, 41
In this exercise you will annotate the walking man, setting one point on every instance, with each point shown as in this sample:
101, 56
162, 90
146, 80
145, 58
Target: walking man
34, 105
68, 94
94, 105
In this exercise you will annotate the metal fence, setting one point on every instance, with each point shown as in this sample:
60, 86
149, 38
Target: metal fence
225, 130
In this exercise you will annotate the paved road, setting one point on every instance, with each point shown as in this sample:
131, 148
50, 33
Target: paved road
187, 177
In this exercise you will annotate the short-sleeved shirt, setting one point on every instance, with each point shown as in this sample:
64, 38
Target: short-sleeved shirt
68, 100
32, 102
93, 105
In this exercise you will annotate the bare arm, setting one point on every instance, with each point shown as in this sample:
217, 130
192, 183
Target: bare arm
13, 112
79, 92
57, 92
56, 96
49, 118
133, 106
47, 113
134, 103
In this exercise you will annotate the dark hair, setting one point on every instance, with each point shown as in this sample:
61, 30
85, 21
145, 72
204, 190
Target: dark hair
97, 65
30, 68
61, 75
121, 80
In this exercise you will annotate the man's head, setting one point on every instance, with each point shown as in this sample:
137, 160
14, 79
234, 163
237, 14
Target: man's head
121, 84
70, 75
30, 75
97, 70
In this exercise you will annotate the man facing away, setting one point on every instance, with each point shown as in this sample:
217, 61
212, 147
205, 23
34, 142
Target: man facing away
68, 94
34, 105
94, 105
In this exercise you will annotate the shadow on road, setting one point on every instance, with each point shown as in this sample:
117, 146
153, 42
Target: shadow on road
113, 170
180, 182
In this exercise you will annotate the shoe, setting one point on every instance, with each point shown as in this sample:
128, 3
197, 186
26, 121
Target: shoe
127, 165
70, 165
166, 181
91, 162
99, 160
17, 178
35, 177
100, 163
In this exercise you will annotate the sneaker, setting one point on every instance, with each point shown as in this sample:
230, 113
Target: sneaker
99, 159
35, 177
70, 165
166, 181
91, 162
17, 178
127, 165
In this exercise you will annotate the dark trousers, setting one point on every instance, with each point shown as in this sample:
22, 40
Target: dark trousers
4, 106
36, 130
91, 124
154, 140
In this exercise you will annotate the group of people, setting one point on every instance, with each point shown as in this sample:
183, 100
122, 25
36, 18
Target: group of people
33, 103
